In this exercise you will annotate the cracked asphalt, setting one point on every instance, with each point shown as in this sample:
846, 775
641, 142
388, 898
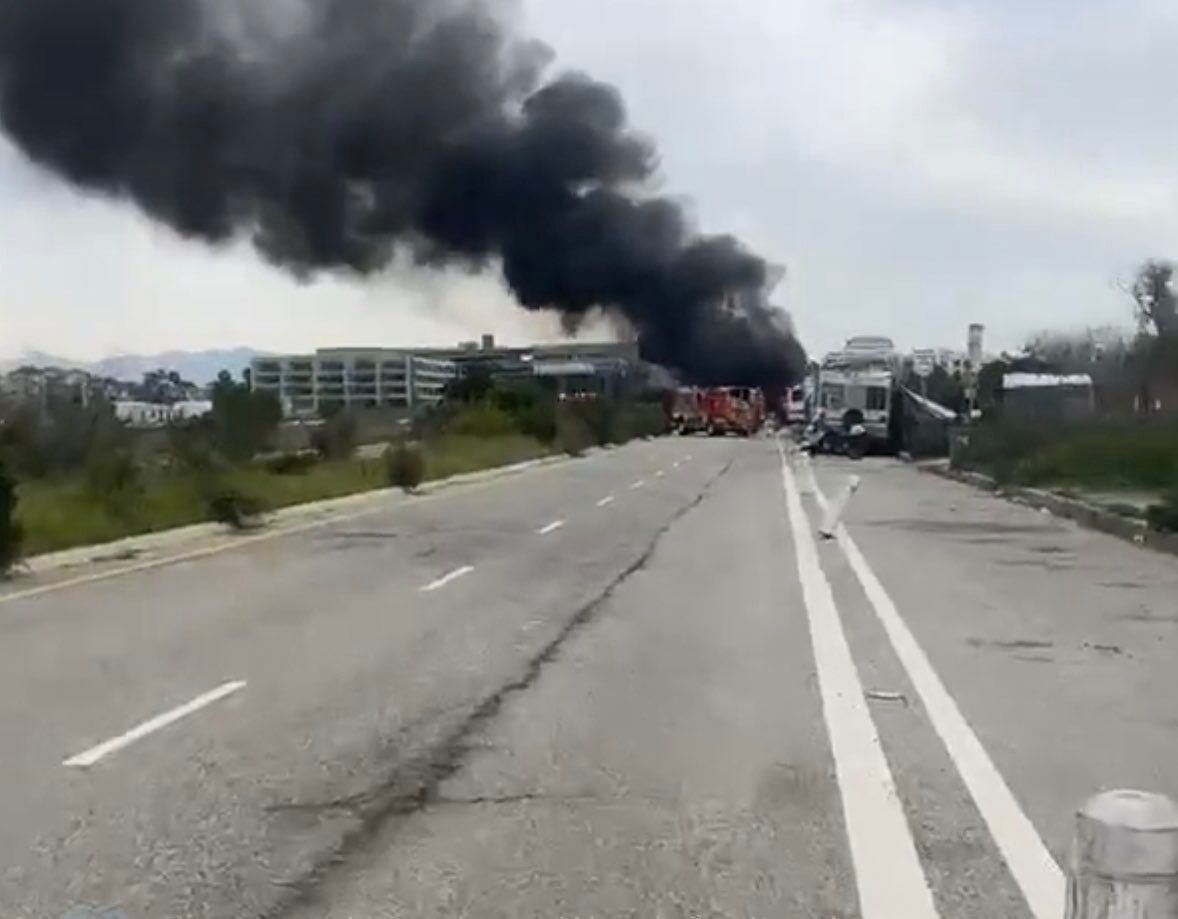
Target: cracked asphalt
451, 707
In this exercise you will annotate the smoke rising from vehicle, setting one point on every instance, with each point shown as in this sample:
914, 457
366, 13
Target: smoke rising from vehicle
338, 133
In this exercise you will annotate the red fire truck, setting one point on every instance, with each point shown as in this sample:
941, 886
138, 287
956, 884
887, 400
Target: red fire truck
733, 410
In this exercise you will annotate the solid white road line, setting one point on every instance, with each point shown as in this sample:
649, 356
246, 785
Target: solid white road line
888, 873
641, 483
94, 754
447, 579
1032, 865
606, 502
551, 528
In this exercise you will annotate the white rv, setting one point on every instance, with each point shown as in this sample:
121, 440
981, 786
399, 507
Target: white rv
857, 386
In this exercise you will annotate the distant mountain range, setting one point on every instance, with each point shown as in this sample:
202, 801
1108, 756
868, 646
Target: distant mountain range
195, 366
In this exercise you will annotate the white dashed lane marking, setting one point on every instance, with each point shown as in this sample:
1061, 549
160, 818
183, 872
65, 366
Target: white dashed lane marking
447, 579
158, 723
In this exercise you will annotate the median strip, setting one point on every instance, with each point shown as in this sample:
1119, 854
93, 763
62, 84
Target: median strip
158, 723
447, 579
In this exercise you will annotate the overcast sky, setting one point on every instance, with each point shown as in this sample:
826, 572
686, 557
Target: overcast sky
917, 165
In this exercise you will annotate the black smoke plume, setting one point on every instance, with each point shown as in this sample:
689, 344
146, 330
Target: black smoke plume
339, 132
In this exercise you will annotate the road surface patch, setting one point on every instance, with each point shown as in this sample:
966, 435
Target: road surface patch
888, 874
158, 723
551, 528
447, 579
1034, 869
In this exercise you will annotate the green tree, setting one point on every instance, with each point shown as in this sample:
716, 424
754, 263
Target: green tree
946, 389
164, 386
1154, 298
989, 385
11, 533
58, 435
243, 421
475, 385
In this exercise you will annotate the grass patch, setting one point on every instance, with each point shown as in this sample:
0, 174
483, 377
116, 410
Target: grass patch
455, 454
60, 514
1104, 455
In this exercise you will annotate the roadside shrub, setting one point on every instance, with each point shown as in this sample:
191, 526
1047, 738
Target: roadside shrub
115, 479
242, 422
59, 438
573, 435
639, 419
1164, 515
482, 420
998, 447
1126, 454
405, 464
191, 447
336, 438
293, 463
532, 408
233, 506
11, 534
597, 417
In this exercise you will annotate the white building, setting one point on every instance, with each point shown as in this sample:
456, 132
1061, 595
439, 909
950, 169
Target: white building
355, 378
158, 415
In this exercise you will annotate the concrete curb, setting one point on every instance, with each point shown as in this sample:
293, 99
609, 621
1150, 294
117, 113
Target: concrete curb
145, 545
1087, 515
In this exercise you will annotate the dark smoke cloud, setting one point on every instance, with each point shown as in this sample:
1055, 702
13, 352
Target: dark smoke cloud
338, 132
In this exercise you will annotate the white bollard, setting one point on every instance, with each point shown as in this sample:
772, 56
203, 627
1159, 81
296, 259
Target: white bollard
1125, 858
834, 510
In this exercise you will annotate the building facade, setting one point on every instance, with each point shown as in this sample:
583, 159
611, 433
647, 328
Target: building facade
414, 379
353, 378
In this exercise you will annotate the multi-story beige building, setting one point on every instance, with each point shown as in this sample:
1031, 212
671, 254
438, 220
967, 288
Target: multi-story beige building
413, 379
353, 378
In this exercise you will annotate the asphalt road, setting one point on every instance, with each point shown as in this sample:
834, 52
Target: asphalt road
634, 684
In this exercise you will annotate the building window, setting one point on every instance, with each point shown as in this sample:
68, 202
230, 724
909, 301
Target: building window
877, 399
833, 396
